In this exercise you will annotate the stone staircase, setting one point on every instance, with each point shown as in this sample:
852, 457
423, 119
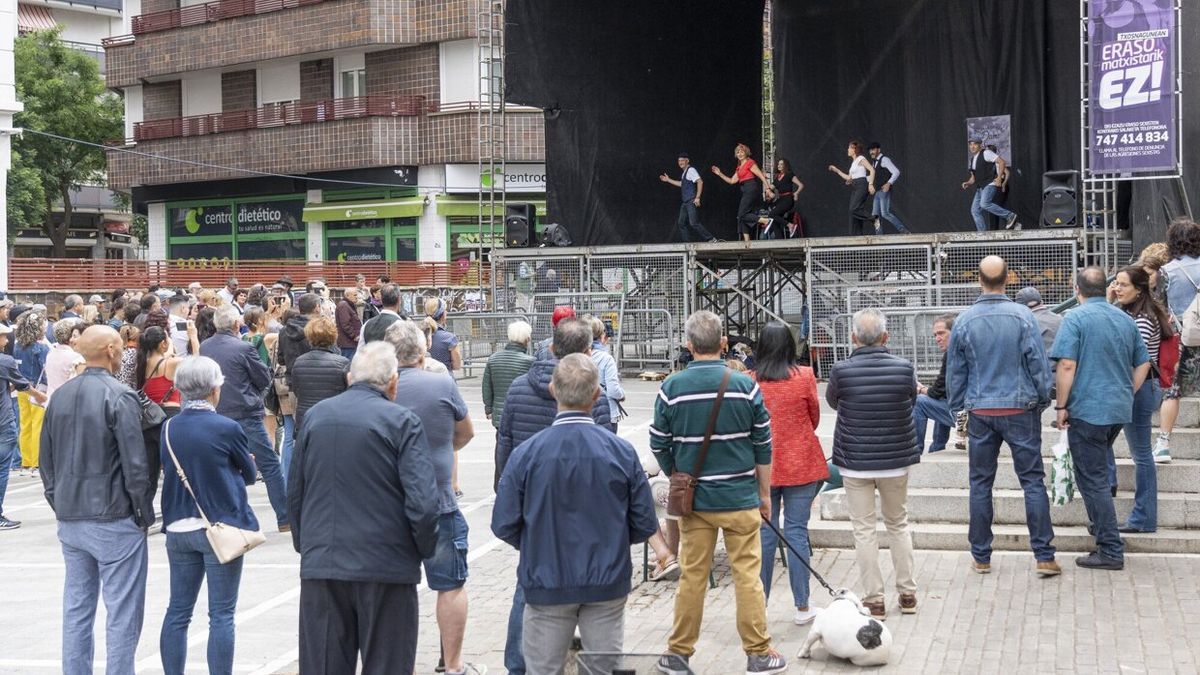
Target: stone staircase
938, 499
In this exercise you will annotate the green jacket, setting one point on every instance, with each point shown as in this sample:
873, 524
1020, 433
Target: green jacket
740, 442
502, 368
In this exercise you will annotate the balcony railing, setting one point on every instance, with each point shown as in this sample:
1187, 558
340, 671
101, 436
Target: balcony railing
280, 114
42, 274
208, 13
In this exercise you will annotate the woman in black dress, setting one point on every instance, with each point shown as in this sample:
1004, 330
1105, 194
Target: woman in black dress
861, 180
782, 196
751, 179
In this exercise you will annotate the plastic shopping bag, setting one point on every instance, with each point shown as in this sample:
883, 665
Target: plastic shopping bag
1062, 475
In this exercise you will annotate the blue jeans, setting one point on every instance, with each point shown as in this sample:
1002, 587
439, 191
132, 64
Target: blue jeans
16, 444
514, 657
1023, 433
263, 451
797, 504
935, 409
882, 207
8, 449
109, 557
288, 443
1091, 448
349, 352
690, 227
1137, 433
983, 202
192, 562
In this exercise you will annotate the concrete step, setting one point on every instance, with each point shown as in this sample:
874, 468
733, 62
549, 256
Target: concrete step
953, 537
925, 505
1188, 418
1185, 443
950, 469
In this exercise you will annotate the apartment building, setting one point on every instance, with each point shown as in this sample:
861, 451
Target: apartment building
100, 221
314, 129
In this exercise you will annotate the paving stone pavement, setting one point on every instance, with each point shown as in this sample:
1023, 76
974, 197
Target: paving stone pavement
1010, 621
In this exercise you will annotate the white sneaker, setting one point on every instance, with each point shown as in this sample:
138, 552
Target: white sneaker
805, 616
1162, 452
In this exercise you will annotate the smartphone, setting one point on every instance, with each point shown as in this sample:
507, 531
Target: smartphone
279, 300
181, 326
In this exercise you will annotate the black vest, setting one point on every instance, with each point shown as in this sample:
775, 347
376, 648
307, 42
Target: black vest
984, 171
375, 329
687, 187
882, 175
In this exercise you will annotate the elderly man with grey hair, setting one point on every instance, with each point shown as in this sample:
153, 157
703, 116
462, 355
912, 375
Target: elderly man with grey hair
574, 566
246, 377
709, 406
361, 548
874, 443
435, 399
349, 323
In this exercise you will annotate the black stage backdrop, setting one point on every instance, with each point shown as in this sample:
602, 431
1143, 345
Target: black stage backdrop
626, 86
908, 74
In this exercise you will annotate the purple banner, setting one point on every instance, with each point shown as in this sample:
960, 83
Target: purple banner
1132, 99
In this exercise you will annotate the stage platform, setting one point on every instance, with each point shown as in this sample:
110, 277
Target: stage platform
813, 284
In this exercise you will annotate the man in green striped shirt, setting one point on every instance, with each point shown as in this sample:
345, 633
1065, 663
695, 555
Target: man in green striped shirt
732, 495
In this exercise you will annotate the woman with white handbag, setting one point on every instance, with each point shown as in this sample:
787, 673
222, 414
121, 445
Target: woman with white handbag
208, 520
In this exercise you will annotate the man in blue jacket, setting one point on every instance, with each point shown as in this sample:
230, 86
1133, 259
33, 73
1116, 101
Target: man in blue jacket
573, 500
529, 408
996, 368
246, 378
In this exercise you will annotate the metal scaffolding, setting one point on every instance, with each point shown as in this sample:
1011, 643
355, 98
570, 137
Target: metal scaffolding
490, 127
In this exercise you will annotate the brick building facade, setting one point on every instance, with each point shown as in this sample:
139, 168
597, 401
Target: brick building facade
372, 104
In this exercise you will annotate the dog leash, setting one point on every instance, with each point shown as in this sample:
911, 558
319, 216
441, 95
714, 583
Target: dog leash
799, 557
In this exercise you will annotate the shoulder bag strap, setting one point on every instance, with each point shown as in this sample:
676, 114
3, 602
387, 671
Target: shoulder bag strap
182, 476
712, 424
151, 374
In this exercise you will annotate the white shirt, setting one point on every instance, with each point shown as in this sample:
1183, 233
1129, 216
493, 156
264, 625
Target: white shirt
988, 156
858, 168
179, 338
691, 175
883, 473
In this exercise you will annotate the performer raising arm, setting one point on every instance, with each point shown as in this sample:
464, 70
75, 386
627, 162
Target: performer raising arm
861, 180
691, 187
987, 171
751, 178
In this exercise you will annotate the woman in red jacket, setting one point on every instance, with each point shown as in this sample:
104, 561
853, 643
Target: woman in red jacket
797, 460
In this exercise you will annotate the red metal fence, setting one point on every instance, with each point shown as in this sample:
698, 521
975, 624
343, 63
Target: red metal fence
33, 275
280, 114
210, 12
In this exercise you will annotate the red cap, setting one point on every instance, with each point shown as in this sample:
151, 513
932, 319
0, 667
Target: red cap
560, 313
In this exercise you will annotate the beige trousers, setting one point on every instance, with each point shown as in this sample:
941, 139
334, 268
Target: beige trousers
893, 502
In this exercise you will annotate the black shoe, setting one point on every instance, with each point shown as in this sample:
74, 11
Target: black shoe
1128, 529
1012, 220
1114, 491
1095, 561
8, 524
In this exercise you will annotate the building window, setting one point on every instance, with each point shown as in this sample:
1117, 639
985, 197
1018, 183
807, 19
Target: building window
257, 229
376, 239
354, 83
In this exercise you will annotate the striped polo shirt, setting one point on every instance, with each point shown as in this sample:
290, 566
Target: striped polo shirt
741, 439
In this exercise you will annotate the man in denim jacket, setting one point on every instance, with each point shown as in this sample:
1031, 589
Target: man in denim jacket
997, 370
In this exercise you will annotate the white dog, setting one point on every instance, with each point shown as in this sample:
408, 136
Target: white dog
847, 630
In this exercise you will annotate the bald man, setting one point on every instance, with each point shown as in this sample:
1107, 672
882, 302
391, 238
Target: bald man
996, 369
94, 470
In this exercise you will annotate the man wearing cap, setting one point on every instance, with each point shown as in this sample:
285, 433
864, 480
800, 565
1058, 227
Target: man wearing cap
1047, 321
986, 174
9, 449
98, 301
691, 186
543, 351
886, 175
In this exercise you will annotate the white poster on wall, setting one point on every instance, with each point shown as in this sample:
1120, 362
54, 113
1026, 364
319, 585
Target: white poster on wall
514, 178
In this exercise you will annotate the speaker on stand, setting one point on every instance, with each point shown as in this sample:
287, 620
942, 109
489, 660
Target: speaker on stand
1060, 201
520, 223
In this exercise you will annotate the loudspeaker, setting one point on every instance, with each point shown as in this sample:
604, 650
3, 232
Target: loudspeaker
1060, 204
519, 223
554, 234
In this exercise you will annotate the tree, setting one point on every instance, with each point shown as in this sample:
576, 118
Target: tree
64, 95
26, 197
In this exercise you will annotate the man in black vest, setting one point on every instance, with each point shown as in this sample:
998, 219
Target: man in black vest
375, 329
691, 187
886, 175
986, 169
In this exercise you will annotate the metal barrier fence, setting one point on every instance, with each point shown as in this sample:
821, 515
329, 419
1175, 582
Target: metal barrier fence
913, 284
481, 334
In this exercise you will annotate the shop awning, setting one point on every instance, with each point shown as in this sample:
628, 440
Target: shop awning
448, 205
33, 18
406, 207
